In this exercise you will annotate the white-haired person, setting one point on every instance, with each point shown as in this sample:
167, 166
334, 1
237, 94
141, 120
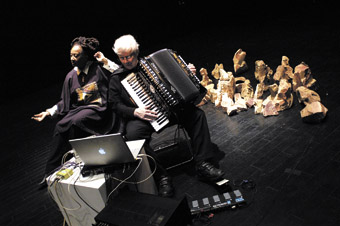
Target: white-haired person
137, 119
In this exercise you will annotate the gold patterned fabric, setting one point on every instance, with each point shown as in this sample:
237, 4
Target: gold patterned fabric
89, 94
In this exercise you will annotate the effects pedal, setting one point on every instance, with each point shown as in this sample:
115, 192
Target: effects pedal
230, 200
222, 185
222, 182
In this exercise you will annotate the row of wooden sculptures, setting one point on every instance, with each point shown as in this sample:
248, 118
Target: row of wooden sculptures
234, 94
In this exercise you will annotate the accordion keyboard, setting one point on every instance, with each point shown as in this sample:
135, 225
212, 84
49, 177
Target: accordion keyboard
142, 96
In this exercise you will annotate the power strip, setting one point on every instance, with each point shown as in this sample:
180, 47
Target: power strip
226, 200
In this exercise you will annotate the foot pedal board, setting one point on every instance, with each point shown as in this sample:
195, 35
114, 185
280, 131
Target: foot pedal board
230, 200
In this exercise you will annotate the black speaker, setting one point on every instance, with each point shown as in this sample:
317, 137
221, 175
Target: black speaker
176, 151
140, 209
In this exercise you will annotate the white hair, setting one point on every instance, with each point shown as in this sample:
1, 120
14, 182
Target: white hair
126, 43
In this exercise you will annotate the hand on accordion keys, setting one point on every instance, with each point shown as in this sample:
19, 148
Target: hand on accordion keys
192, 68
145, 113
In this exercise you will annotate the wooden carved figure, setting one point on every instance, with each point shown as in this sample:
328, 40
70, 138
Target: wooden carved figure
262, 71
239, 64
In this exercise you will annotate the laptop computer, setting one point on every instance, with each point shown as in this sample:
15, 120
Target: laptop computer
106, 149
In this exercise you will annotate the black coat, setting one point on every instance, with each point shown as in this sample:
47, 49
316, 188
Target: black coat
85, 103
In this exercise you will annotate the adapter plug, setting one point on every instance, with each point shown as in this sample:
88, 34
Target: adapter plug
64, 173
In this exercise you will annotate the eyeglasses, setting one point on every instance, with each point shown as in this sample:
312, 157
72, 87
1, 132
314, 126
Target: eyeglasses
126, 57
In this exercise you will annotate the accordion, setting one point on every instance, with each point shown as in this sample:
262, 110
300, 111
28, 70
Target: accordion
164, 83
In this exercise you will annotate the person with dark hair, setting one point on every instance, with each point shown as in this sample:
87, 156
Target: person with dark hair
83, 107
137, 119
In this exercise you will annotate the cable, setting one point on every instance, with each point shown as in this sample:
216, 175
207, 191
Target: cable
122, 181
68, 189
63, 160
49, 188
55, 189
247, 184
62, 166
203, 219
152, 173
54, 184
141, 181
66, 208
51, 183
75, 189
57, 179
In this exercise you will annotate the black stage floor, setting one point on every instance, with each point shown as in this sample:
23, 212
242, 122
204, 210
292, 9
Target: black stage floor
294, 165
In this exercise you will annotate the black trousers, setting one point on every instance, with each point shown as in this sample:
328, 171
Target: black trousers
194, 121
60, 145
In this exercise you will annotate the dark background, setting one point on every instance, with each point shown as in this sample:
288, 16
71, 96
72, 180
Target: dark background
295, 165
36, 35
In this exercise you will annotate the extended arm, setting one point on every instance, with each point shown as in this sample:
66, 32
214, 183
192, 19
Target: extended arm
42, 115
107, 64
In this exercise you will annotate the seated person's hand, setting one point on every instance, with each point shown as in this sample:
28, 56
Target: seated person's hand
192, 68
145, 114
100, 57
39, 117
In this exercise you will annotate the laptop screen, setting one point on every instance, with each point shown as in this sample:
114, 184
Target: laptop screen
103, 150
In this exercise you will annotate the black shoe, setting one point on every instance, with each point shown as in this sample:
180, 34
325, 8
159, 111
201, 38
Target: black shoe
42, 184
165, 188
208, 172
